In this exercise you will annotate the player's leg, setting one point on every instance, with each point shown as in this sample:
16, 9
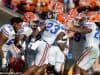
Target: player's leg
51, 60
41, 70
87, 59
41, 59
5, 58
60, 59
32, 46
59, 68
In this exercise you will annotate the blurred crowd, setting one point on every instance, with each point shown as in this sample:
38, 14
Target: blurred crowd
43, 7
38, 6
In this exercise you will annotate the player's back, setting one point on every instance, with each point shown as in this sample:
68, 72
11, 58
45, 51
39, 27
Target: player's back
53, 28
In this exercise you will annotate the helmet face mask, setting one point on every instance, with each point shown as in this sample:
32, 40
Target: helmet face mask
34, 24
52, 15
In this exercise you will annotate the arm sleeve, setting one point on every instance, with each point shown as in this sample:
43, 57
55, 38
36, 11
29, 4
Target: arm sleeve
8, 31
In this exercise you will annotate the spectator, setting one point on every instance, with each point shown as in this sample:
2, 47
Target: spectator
2, 2
14, 4
7, 3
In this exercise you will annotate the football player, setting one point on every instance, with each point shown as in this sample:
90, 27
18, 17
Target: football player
7, 34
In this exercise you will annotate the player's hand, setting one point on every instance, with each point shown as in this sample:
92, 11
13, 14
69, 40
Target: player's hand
70, 24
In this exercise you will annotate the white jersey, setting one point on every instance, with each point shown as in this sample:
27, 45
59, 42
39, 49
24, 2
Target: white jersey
26, 30
92, 38
92, 52
9, 32
53, 28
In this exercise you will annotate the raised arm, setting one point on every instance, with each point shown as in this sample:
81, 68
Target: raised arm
79, 29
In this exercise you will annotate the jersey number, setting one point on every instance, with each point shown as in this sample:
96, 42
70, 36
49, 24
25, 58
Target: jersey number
97, 35
10, 42
53, 29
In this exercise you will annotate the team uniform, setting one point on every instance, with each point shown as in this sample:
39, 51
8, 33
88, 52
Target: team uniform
91, 53
53, 28
26, 30
55, 56
9, 32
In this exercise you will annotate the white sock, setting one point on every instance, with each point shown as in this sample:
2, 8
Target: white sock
4, 62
